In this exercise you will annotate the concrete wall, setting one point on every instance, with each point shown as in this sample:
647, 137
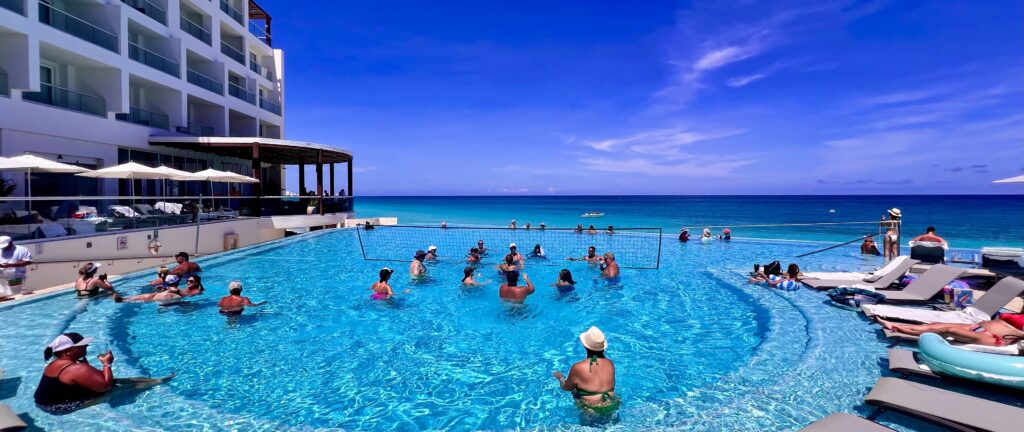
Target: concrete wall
57, 261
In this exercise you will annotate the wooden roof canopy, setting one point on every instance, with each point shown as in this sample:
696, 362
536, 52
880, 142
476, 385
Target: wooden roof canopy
274, 151
258, 13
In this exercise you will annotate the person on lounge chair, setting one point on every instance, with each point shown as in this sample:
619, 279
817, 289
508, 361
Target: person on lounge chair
930, 236
1002, 331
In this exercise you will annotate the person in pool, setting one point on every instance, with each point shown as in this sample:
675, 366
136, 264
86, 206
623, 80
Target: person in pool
467, 277
416, 267
610, 230
473, 257
684, 235
185, 267
869, 247
234, 303
542, 226
511, 291
610, 268
70, 383
706, 235
1002, 331
480, 247
161, 274
565, 281
431, 253
726, 234
592, 380
193, 286
382, 289
591, 230
788, 281
169, 295
512, 225
538, 252
579, 229
516, 256
89, 284
590, 257
509, 265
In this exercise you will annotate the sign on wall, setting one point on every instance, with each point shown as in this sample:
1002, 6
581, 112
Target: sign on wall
122, 243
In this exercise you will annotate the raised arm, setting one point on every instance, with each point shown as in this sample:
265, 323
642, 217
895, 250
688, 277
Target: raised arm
93, 379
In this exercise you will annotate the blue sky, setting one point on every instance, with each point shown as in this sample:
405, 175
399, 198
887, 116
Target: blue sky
716, 97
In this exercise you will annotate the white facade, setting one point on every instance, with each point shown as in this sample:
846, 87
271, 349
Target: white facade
81, 79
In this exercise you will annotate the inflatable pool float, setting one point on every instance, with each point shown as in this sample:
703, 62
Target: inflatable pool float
999, 369
853, 297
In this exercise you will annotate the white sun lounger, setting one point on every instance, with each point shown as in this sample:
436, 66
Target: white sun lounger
880, 279
953, 410
987, 305
843, 422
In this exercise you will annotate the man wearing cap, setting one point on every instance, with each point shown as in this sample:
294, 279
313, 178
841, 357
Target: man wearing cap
416, 267
516, 256
14, 261
431, 253
185, 268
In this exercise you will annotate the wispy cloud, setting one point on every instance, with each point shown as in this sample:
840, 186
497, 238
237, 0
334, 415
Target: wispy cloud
661, 152
659, 142
741, 81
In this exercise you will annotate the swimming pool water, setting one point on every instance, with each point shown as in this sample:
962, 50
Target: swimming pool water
695, 347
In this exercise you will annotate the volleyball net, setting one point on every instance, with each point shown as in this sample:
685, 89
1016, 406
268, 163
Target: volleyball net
636, 248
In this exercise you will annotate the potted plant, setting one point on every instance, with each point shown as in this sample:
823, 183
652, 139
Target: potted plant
313, 205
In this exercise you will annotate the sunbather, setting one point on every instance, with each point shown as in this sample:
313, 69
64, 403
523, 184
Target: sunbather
1001, 331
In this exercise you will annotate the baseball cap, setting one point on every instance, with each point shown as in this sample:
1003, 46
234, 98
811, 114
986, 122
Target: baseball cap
511, 245
69, 340
171, 279
5, 241
432, 247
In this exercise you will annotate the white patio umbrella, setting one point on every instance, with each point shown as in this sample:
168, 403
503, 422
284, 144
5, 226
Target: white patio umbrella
35, 163
131, 171
224, 176
1018, 179
176, 174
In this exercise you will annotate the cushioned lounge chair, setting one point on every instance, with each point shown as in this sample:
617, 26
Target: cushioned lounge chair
1002, 293
928, 252
904, 362
953, 410
878, 281
843, 422
925, 287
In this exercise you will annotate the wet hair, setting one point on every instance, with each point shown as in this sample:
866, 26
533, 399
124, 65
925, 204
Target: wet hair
611, 228
509, 259
536, 248
512, 277
474, 250
591, 247
467, 273
385, 274
793, 270
199, 281
420, 255
591, 227
566, 276
930, 229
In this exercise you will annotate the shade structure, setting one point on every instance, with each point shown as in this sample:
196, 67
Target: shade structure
224, 177
131, 171
1018, 179
31, 163
176, 174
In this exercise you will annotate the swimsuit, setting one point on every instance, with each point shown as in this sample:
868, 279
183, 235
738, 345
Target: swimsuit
56, 397
378, 296
609, 403
998, 340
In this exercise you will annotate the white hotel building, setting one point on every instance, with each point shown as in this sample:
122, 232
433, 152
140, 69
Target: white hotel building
190, 84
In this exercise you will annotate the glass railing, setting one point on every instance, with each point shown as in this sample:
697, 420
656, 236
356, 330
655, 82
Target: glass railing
270, 106
61, 217
153, 60
205, 81
5, 87
145, 118
74, 26
15, 6
195, 129
149, 9
232, 52
68, 99
235, 14
241, 93
255, 67
197, 31
258, 31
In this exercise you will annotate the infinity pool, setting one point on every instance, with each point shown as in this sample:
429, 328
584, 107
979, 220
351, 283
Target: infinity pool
696, 348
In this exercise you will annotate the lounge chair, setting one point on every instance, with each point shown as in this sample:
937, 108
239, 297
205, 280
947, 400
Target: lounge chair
928, 252
9, 421
881, 279
843, 422
1007, 261
925, 287
987, 305
953, 410
904, 362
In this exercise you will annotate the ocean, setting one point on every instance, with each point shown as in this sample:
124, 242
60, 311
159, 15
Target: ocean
965, 221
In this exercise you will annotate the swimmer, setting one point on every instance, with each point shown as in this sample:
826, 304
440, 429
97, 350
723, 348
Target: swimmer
788, 281
512, 225
591, 230
590, 257
416, 267
89, 284
579, 229
565, 281
444, 224
234, 303
684, 235
473, 257
869, 247
467, 277
538, 252
706, 236
516, 256
542, 226
511, 291
480, 247
193, 287
509, 265
431, 253
527, 226
725, 235
382, 289
161, 274
171, 294
596, 373
610, 230
610, 268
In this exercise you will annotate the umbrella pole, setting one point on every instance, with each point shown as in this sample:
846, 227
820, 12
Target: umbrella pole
199, 213
28, 188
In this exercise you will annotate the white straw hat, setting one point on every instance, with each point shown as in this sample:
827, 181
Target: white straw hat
593, 339
895, 212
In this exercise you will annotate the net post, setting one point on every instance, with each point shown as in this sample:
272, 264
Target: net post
657, 262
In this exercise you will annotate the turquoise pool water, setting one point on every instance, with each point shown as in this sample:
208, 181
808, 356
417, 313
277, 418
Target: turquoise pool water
696, 347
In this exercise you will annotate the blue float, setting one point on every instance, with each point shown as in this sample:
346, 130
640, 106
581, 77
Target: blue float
945, 359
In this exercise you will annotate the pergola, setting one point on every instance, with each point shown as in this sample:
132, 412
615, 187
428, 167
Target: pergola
269, 150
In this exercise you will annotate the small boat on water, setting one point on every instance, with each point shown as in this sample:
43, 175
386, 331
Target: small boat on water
592, 214
831, 210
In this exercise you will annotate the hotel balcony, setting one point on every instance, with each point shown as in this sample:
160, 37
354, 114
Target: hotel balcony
5, 86
232, 11
256, 66
153, 60
204, 73
77, 24
145, 117
153, 50
241, 124
205, 118
196, 129
239, 92
268, 105
259, 23
152, 104
16, 6
61, 97
149, 8
233, 52
191, 23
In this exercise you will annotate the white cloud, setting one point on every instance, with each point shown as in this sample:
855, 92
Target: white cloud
741, 81
660, 152
659, 141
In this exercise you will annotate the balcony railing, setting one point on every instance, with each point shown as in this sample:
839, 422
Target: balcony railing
205, 81
15, 6
68, 99
153, 60
241, 93
195, 129
197, 31
149, 9
270, 106
255, 67
258, 31
232, 52
5, 87
145, 118
76, 27
235, 14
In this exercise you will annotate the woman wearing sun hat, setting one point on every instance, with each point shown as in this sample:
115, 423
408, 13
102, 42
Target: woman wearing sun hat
592, 381
891, 241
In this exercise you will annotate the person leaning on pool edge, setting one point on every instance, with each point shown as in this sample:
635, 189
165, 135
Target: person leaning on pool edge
596, 373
